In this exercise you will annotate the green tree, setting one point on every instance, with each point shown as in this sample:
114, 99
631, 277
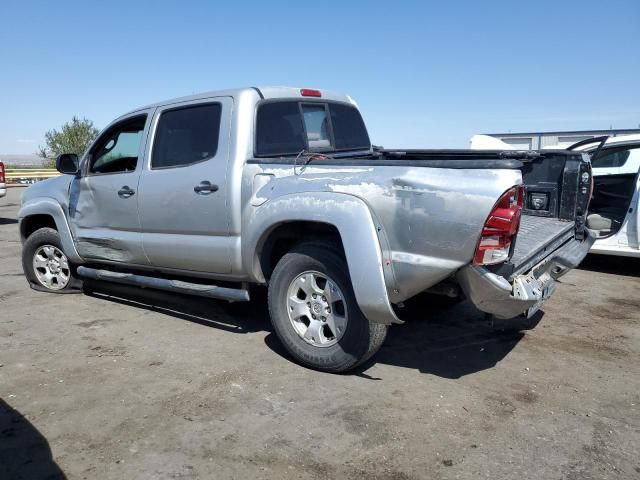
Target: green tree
74, 137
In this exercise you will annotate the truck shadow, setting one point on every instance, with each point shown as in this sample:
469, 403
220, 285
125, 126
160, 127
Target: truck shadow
443, 340
450, 341
438, 338
627, 266
24, 451
242, 317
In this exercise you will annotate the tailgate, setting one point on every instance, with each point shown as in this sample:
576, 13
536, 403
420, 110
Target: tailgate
557, 188
537, 238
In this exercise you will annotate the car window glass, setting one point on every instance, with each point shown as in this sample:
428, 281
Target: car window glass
117, 150
610, 159
186, 135
279, 129
317, 127
349, 131
288, 127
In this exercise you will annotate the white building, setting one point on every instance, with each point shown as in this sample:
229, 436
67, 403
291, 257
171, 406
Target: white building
539, 140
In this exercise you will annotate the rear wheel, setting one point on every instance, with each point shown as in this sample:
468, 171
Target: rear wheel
45, 264
314, 312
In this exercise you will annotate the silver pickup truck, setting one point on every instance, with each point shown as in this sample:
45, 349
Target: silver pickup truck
278, 186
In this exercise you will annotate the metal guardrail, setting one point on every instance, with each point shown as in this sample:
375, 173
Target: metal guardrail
35, 173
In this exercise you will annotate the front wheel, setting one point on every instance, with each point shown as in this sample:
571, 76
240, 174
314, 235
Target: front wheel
45, 264
314, 312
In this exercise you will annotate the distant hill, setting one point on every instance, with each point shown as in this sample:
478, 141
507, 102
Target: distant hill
26, 160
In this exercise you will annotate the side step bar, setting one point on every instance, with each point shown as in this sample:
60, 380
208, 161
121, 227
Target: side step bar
178, 286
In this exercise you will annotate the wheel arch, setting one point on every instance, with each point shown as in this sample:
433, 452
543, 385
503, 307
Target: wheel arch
47, 212
335, 217
283, 236
30, 224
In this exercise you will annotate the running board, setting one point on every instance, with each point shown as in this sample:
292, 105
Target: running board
177, 286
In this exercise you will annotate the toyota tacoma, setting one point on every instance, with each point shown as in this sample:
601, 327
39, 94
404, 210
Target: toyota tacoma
277, 186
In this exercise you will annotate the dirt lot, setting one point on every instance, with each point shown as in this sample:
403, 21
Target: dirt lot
125, 383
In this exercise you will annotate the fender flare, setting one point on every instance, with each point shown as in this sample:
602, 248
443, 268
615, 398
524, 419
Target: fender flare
354, 222
49, 206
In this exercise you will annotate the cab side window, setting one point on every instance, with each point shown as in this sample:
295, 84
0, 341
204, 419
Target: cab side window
117, 150
186, 135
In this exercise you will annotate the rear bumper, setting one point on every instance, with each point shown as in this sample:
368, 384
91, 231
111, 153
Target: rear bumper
494, 294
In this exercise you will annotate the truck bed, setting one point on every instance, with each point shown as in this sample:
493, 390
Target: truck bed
537, 237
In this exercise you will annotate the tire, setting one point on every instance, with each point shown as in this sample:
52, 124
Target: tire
45, 264
345, 338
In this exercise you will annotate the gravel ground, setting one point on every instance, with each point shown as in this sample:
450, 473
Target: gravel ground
128, 383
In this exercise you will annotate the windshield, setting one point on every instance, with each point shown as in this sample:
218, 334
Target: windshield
289, 127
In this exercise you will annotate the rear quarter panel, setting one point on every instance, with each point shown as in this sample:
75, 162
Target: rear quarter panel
428, 220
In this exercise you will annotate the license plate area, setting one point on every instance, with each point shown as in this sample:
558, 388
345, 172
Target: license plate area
536, 286
547, 290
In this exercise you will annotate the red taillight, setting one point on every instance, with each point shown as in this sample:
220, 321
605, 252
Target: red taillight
1, 172
500, 228
308, 92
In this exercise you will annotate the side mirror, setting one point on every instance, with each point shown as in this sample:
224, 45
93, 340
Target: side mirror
67, 163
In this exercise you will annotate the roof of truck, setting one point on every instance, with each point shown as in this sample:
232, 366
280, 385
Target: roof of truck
263, 92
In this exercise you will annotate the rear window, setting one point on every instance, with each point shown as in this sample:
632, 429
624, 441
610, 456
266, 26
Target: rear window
348, 128
316, 124
279, 129
288, 127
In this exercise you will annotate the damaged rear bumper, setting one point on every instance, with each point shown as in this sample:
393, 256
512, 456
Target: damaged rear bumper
496, 295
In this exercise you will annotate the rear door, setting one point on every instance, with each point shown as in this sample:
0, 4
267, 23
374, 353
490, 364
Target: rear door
103, 207
183, 189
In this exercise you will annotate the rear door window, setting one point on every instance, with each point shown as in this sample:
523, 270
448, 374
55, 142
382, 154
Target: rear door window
186, 135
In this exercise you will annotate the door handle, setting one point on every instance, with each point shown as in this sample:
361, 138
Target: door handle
126, 192
205, 188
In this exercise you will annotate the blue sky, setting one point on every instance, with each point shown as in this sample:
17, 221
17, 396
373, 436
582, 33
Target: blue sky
425, 74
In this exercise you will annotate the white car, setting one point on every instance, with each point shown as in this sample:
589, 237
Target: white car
614, 211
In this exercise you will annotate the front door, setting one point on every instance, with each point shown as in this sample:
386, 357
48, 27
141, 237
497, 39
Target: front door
103, 200
183, 188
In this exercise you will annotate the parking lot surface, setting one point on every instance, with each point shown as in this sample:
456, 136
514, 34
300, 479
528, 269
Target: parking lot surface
129, 383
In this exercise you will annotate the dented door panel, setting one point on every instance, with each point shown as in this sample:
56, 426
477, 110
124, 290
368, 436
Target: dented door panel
103, 220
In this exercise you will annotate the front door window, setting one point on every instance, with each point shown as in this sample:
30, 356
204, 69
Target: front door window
117, 150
